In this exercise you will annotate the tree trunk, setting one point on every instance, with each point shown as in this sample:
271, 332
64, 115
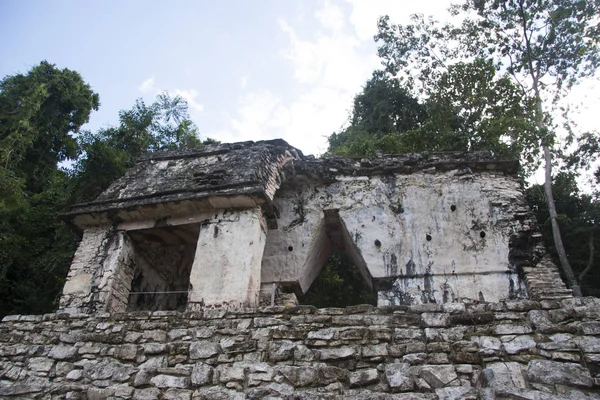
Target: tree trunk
590, 259
558, 243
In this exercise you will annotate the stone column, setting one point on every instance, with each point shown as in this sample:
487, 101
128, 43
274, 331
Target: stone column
100, 275
227, 263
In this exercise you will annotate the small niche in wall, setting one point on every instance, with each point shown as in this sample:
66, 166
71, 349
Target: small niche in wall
163, 259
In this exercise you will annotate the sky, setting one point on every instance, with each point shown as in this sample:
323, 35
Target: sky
249, 70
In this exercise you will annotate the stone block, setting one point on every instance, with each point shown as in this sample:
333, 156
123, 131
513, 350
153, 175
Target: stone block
504, 374
61, 352
559, 373
203, 349
437, 376
340, 353
281, 350
363, 377
589, 344
400, 377
435, 319
300, 376
512, 329
516, 344
170, 381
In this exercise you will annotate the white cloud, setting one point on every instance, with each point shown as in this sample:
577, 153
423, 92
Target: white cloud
148, 86
190, 96
331, 17
329, 68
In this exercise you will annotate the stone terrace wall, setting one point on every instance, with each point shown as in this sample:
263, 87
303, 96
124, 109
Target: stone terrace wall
511, 350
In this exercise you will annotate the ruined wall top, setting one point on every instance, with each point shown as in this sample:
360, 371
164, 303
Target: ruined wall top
247, 174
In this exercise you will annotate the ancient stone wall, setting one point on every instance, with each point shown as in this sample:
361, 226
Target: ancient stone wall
509, 350
258, 221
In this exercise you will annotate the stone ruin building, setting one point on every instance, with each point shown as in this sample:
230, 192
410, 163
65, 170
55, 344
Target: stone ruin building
186, 285
233, 225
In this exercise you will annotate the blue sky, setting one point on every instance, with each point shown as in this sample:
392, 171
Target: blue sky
250, 70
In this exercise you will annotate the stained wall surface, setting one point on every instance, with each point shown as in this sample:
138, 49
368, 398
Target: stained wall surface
420, 228
431, 237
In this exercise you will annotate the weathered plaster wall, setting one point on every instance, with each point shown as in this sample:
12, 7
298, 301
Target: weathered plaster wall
511, 350
434, 237
226, 269
421, 228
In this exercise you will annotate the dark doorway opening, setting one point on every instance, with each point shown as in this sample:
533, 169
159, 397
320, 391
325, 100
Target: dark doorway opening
335, 275
339, 284
163, 259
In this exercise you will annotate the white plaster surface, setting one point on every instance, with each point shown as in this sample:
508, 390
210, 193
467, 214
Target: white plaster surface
226, 268
389, 218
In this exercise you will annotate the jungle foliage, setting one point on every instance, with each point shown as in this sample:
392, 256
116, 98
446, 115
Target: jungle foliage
47, 164
493, 82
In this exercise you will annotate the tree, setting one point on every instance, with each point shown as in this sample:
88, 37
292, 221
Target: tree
382, 113
162, 125
39, 114
578, 215
466, 108
545, 45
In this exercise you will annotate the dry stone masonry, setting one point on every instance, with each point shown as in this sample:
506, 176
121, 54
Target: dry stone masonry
185, 286
518, 349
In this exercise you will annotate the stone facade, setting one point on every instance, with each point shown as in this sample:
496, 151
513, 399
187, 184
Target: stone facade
518, 349
162, 299
256, 222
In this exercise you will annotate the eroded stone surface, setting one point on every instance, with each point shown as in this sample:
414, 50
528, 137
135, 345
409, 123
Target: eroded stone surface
211, 355
439, 228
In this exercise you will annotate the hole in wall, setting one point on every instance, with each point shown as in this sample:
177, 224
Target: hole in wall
290, 248
452, 208
482, 234
428, 237
377, 243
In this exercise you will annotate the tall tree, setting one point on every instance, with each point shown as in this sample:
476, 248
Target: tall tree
468, 107
545, 45
382, 114
40, 113
163, 125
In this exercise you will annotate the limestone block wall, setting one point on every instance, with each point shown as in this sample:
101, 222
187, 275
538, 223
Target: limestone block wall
423, 237
510, 350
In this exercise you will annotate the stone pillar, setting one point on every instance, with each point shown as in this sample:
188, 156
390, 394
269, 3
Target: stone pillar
117, 273
227, 263
100, 275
